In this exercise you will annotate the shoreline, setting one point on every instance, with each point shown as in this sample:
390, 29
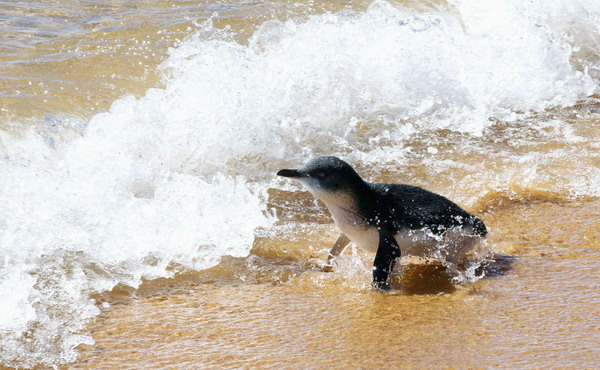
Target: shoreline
220, 317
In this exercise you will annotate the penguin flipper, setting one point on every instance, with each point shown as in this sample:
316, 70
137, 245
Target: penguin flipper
338, 248
387, 253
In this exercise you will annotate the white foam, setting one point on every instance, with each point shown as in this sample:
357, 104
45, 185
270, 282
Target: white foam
178, 176
73, 224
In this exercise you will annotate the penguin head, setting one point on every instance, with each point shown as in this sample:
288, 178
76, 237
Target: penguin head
325, 175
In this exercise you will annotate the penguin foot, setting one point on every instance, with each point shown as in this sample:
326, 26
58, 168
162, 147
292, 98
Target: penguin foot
319, 264
383, 287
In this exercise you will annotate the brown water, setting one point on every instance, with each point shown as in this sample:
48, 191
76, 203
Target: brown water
272, 309
271, 95
72, 60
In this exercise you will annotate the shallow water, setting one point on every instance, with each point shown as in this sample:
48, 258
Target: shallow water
67, 60
539, 309
139, 213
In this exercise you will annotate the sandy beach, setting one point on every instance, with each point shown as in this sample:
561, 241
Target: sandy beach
272, 309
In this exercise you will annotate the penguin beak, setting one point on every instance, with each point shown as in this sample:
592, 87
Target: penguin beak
294, 174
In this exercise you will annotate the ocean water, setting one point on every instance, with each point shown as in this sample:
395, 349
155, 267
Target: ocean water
140, 141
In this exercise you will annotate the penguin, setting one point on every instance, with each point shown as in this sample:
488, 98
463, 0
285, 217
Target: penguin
389, 219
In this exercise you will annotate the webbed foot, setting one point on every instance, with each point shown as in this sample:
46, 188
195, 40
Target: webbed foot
383, 287
328, 267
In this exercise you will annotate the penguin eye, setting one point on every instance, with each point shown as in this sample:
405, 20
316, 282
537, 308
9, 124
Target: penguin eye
320, 174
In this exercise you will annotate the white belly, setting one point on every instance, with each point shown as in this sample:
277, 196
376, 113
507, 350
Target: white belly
364, 237
456, 245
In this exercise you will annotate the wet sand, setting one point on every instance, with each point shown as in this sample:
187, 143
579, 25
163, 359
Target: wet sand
275, 308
